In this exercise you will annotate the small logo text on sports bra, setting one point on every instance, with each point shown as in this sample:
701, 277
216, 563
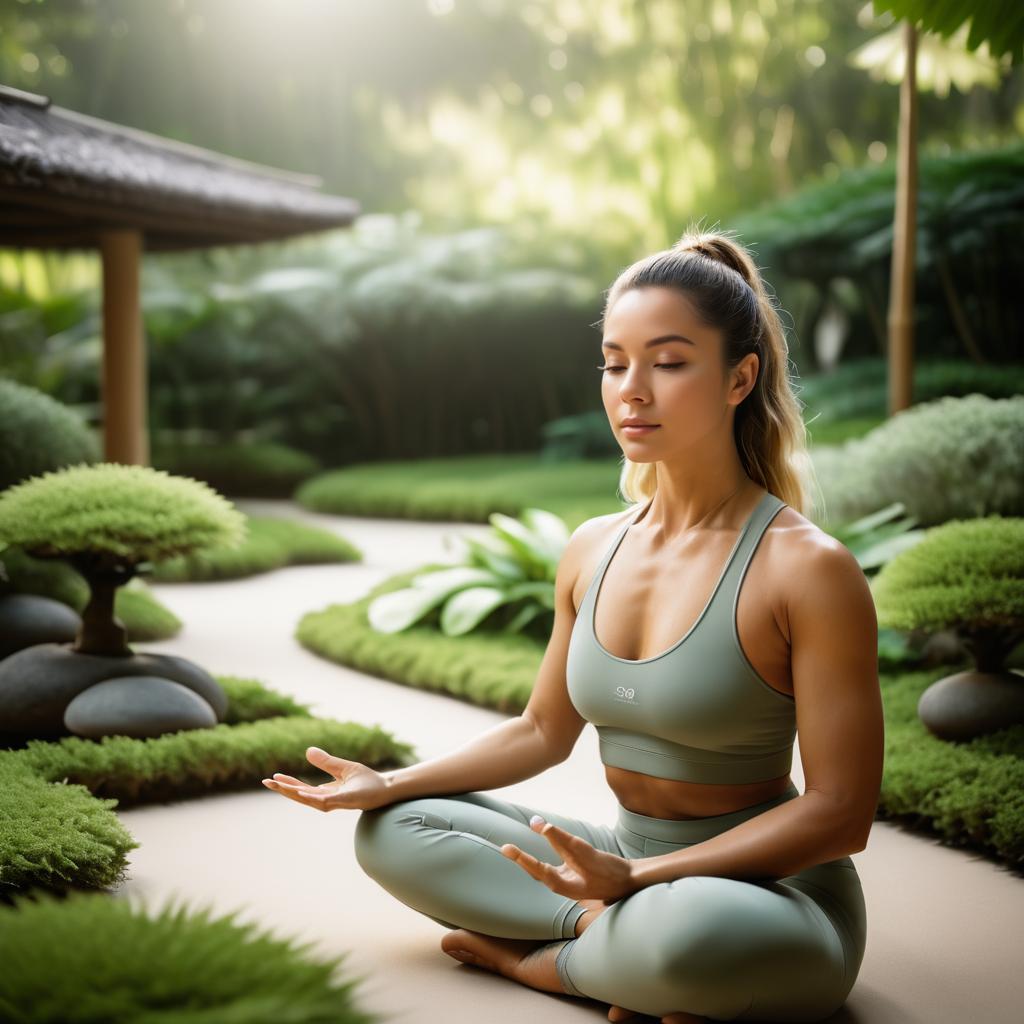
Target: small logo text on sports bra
625, 695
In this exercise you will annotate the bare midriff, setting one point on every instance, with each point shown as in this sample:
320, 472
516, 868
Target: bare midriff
669, 798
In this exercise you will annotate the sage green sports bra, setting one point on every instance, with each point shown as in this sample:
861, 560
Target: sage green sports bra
698, 712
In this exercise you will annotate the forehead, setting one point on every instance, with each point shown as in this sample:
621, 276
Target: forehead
643, 313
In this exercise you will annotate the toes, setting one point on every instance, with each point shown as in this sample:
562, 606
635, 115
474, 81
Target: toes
619, 1013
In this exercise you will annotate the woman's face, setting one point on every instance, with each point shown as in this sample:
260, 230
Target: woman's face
677, 382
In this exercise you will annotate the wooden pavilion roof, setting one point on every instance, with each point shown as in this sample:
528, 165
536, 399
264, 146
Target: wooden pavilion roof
65, 176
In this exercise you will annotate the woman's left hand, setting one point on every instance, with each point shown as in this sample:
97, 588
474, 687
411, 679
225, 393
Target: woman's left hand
585, 871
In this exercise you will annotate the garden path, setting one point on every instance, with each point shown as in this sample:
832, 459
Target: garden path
944, 939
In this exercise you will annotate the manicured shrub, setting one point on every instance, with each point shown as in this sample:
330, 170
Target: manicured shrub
38, 433
954, 458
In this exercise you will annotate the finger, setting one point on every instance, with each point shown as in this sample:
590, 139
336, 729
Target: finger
539, 869
324, 761
563, 841
313, 800
281, 777
290, 787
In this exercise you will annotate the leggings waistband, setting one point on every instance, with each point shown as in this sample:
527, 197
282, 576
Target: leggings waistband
696, 830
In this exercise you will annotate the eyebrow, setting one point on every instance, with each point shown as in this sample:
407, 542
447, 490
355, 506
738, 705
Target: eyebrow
653, 341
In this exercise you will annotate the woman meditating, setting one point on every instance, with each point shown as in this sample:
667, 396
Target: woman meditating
699, 631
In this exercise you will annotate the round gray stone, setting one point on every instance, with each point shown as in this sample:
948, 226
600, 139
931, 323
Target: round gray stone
29, 619
38, 683
972, 703
138, 706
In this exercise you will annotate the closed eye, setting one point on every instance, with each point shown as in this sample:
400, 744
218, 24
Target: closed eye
663, 366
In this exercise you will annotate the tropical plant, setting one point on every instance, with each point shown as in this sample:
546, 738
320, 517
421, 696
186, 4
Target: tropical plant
837, 236
511, 569
878, 537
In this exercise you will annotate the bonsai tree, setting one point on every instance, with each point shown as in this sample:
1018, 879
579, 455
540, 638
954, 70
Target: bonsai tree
966, 576
110, 522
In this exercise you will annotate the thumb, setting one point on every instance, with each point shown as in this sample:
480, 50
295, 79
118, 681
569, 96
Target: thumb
320, 758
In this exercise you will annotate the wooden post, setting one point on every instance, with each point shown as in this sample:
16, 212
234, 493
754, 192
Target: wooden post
125, 437
901, 291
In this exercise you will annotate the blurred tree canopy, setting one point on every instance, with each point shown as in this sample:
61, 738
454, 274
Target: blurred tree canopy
616, 120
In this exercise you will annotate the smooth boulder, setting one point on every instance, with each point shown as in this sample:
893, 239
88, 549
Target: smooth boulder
30, 619
137, 706
38, 683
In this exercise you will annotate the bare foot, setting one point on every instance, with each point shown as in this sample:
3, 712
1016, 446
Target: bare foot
528, 961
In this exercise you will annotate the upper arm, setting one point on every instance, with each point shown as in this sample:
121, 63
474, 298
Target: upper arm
834, 655
549, 707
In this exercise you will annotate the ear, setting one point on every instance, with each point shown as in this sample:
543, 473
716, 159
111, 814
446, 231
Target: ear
743, 377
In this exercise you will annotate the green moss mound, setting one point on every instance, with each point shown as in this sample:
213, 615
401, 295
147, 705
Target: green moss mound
57, 826
241, 469
90, 958
39, 434
271, 544
968, 572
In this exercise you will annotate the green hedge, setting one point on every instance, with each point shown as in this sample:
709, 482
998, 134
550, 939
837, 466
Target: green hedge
467, 489
253, 469
58, 828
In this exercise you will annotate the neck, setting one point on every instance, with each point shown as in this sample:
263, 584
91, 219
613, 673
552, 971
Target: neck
676, 510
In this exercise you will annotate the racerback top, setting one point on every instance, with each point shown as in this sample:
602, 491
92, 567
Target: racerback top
697, 712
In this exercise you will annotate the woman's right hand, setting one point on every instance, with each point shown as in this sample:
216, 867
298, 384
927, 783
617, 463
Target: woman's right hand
355, 786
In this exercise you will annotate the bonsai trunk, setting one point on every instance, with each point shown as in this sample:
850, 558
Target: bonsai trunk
989, 646
102, 632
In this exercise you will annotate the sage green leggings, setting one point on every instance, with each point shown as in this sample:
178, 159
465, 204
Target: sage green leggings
771, 950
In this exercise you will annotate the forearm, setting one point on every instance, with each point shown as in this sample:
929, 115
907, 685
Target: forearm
780, 842
509, 752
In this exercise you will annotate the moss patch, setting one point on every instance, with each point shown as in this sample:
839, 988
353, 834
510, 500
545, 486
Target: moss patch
271, 544
92, 958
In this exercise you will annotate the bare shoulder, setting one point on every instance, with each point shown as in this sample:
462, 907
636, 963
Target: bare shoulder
585, 546
810, 568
